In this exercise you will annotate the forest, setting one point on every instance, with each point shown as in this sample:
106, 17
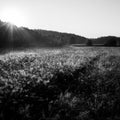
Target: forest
12, 36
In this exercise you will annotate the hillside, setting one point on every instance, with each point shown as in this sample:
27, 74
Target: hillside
105, 39
12, 36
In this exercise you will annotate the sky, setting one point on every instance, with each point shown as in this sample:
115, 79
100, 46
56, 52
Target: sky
88, 18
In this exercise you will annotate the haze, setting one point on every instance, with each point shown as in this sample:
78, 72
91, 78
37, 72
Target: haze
89, 18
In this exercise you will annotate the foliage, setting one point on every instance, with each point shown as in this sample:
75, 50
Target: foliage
112, 41
89, 43
70, 83
13, 37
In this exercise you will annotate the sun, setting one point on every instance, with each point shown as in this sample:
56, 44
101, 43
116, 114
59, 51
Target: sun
13, 16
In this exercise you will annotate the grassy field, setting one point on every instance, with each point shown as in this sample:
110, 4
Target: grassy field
74, 83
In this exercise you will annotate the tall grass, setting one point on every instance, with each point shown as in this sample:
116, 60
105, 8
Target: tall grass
70, 83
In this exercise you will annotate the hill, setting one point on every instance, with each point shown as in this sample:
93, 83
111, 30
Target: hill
106, 39
12, 36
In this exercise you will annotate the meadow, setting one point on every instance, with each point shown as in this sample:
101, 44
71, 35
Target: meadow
72, 83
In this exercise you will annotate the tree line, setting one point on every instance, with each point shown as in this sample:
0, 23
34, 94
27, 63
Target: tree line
12, 36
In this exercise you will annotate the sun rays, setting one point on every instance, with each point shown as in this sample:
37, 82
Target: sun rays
13, 16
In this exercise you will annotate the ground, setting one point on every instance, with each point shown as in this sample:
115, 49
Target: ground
76, 83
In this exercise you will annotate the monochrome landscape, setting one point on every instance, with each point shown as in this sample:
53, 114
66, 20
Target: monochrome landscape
58, 75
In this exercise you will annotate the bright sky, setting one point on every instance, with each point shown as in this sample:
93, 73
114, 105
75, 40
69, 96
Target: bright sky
89, 18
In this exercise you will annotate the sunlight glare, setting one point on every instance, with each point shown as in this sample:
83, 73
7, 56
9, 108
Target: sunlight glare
13, 16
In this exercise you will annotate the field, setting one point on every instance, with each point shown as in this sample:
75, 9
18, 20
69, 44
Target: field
74, 83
